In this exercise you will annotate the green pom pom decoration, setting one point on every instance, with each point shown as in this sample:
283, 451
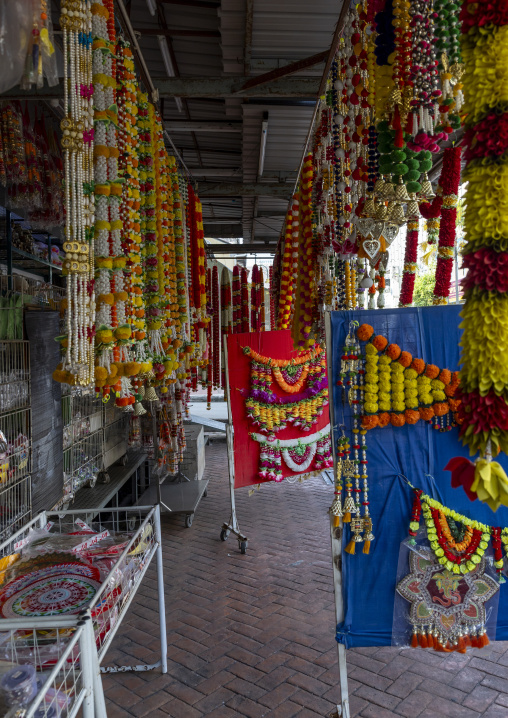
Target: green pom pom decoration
412, 176
427, 154
413, 164
385, 149
385, 168
401, 168
426, 165
413, 187
383, 126
399, 155
385, 138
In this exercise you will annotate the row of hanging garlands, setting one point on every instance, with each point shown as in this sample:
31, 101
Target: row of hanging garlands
140, 299
406, 76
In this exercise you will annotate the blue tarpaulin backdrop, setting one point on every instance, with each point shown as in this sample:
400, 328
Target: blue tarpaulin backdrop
418, 452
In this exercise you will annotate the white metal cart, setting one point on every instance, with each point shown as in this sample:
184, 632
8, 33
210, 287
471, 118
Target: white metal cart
77, 644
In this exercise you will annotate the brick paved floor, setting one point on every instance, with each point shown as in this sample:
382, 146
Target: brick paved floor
253, 635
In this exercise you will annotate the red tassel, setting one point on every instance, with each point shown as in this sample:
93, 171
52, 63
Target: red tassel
438, 646
467, 640
396, 119
474, 641
423, 641
430, 640
399, 138
414, 640
409, 125
461, 647
484, 641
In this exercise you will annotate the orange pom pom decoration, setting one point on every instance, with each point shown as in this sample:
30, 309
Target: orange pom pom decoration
427, 413
364, 332
393, 351
445, 376
369, 422
454, 404
411, 416
405, 359
380, 342
397, 419
418, 365
383, 419
441, 408
455, 379
432, 371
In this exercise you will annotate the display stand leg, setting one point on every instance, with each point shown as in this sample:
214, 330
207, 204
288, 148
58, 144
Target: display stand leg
336, 543
160, 592
231, 527
86, 650
92, 672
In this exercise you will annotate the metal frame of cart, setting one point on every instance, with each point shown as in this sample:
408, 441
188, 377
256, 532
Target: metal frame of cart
85, 675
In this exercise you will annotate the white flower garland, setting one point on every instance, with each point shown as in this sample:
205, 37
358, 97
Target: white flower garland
272, 450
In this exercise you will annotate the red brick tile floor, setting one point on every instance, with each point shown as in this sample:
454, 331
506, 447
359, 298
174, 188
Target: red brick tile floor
253, 635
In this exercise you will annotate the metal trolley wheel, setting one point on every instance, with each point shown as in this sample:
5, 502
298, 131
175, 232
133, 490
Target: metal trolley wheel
243, 546
188, 520
224, 535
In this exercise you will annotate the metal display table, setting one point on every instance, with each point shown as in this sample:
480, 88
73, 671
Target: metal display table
176, 498
102, 494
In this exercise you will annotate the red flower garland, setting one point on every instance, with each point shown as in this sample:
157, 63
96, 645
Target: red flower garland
216, 333
254, 299
410, 259
237, 301
451, 555
487, 270
479, 14
261, 290
487, 138
272, 302
245, 300
449, 181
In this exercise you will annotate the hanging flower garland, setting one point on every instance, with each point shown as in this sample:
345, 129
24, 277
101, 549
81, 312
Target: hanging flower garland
484, 376
226, 316
285, 302
237, 301
298, 454
244, 281
216, 338
449, 182
303, 314
272, 297
77, 142
410, 263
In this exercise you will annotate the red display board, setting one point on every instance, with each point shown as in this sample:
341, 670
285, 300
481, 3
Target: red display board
277, 345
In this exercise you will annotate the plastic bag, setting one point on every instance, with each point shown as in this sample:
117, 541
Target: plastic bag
15, 36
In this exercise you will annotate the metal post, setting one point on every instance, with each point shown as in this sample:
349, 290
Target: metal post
153, 411
160, 592
336, 541
232, 526
86, 650
8, 235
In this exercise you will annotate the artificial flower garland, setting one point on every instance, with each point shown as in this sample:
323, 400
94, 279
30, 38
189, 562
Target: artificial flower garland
298, 454
449, 183
484, 374
400, 389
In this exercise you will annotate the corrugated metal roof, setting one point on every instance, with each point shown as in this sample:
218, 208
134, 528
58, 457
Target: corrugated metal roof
249, 37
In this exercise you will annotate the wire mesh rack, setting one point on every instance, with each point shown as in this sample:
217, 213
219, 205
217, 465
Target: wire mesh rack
15, 506
55, 659
66, 650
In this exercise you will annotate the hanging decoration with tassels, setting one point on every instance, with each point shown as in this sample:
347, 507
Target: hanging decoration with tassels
449, 583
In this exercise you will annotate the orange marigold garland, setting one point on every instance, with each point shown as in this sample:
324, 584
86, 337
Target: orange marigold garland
303, 315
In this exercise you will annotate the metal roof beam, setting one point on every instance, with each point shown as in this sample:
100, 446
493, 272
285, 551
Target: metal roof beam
232, 87
259, 189
285, 71
192, 3
242, 249
196, 87
176, 32
189, 126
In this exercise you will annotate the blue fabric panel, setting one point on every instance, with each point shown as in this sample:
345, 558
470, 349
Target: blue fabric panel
418, 452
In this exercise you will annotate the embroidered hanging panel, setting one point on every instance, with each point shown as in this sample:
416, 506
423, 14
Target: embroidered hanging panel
279, 404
